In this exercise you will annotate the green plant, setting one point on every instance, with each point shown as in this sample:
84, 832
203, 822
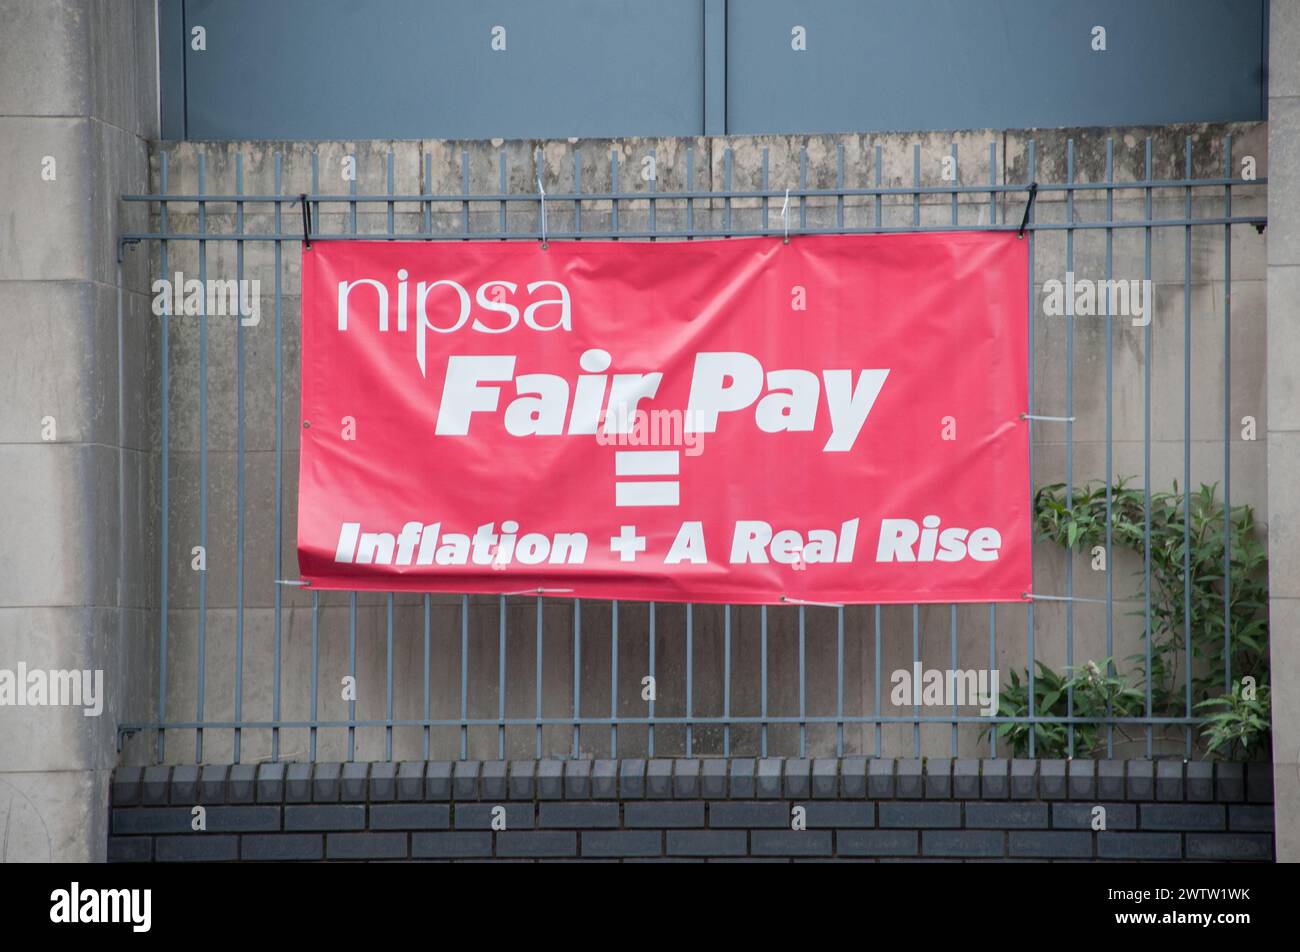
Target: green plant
1240, 719
1086, 691
1187, 596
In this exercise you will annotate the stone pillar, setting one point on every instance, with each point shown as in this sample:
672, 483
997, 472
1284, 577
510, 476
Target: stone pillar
1284, 416
78, 104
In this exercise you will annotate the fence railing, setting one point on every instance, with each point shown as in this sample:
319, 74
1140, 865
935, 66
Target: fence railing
478, 676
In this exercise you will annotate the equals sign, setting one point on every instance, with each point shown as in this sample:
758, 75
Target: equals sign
659, 492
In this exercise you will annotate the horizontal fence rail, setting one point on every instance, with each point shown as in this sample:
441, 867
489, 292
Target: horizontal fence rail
466, 676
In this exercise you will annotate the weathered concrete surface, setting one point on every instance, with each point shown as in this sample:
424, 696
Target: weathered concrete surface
436, 167
1284, 418
79, 512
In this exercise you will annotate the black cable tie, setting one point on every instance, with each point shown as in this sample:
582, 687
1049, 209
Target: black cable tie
306, 220
1033, 191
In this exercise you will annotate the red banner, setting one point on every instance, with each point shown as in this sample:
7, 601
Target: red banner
838, 419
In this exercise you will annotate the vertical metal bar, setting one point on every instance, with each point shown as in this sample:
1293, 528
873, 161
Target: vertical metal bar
878, 220
577, 190
239, 475
426, 188
1187, 445
501, 677
613, 679
727, 160
993, 665
613, 188
803, 684
916, 184
352, 669
1146, 442
839, 185
279, 457
1227, 419
203, 459
956, 182
650, 733
993, 180
690, 187
839, 677
726, 680
762, 628
428, 624
464, 677
1110, 440
315, 673
877, 678
165, 475
577, 674
764, 185
391, 223
352, 189
1069, 450
952, 653
690, 676
916, 695
803, 186
1029, 608
653, 201
538, 673
388, 681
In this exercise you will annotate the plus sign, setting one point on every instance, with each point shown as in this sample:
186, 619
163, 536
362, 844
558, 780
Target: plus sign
627, 543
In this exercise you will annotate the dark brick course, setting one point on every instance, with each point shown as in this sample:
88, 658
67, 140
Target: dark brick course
675, 810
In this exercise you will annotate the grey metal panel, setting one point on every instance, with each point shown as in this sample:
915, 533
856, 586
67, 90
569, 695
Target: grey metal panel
171, 68
874, 65
338, 69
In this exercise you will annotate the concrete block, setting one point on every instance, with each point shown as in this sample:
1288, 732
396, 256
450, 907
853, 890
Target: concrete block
1052, 782
578, 816
962, 843
450, 845
1250, 818
1141, 781
604, 780
130, 849
196, 848
549, 843
577, 779
1110, 779
659, 779
790, 843
743, 783
1078, 816
383, 782
464, 781
1169, 780
297, 783
877, 843
707, 842
768, 783
241, 783
494, 780
995, 778
354, 846
840, 815
479, 816
410, 816
1230, 846
325, 817
938, 778
880, 778
126, 786
326, 783
270, 783
631, 779
1200, 781
725, 814
352, 782
1139, 846
1006, 816
410, 780
1183, 816
798, 779
1082, 779
686, 779
1056, 844
965, 780
853, 777
438, 780
522, 784
601, 843
550, 779
909, 781
919, 815
212, 783
664, 815
282, 847
1259, 782
713, 778
154, 788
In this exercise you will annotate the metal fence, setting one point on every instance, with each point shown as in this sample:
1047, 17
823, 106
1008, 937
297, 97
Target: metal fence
842, 711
